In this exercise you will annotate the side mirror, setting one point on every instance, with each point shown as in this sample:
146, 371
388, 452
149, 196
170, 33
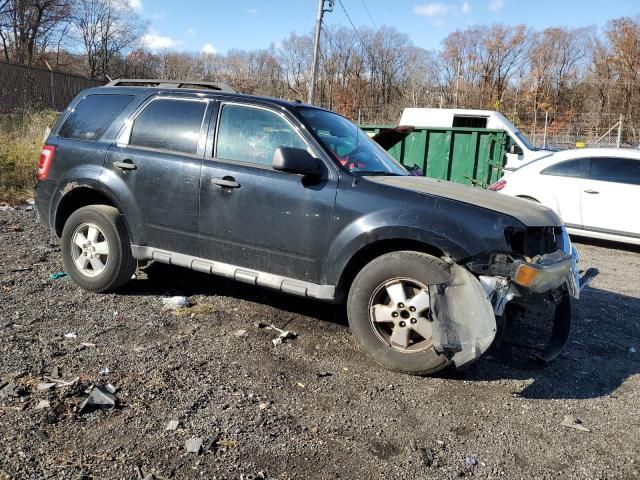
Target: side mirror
515, 149
296, 160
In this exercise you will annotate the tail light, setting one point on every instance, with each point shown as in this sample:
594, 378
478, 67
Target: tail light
499, 185
44, 164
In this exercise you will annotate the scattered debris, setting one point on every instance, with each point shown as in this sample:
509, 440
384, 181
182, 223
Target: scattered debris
11, 389
264, 405
87, 345
226, 443
99, 398
42, 404
172, 425
193, 445
470, 461
173, 303
632, 350
31, 201
42, 386
212, 443
301, 385
111, 388
323, 374
192, 311
71, 335
43, 437
58, 275
62, 383
282, 335
570, 421
260, 324
6, 208
104, 371
55, 372
239, 333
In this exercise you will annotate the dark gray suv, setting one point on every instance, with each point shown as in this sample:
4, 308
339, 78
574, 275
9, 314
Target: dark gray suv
292, 197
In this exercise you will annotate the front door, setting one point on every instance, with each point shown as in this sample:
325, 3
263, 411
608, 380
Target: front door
159, 158
254, 216
611, 195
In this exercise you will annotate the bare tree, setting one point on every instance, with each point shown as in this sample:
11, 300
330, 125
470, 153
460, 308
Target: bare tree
107, 29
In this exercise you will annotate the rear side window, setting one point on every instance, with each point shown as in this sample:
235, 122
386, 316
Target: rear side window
93, 115
168, 124
570, 168
470, 122
619, 170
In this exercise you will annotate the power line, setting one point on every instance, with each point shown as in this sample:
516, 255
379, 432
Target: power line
354, 28
369, 13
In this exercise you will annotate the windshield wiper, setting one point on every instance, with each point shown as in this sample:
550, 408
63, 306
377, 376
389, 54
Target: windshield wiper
376, 172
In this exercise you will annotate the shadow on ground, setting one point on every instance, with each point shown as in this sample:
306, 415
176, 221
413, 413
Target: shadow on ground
596, 362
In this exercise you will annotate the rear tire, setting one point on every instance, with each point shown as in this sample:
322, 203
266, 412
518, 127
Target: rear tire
389, 311
96, 248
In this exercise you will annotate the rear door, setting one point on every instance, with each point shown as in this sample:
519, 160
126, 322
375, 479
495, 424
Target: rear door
254, 216
158, 157
563, 182
611, 195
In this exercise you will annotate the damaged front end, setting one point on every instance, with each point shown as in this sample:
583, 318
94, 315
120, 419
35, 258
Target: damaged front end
522, 297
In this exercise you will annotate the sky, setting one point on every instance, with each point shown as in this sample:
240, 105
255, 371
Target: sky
217, 26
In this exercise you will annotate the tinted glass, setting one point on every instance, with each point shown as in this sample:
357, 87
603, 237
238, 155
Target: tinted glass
253, 134
351, 146
620, 170
570, 168
93, 115
169, 125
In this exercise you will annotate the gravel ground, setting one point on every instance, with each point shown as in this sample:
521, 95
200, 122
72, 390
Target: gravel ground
312, 407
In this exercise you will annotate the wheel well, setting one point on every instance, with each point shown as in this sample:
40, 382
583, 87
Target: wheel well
75, 199
374, 250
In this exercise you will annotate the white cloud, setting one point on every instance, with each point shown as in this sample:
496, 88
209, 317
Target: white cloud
432, 9
135, 5
190, 32
209, 49
496, 5
153, 41
466, 8
252, 11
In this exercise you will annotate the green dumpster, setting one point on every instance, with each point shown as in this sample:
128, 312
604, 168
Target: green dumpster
473, 156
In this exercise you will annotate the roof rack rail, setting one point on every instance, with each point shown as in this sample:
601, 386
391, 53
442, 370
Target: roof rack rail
160, 83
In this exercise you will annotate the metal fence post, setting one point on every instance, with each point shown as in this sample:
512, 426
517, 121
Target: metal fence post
52, 100
546, 122
619, 132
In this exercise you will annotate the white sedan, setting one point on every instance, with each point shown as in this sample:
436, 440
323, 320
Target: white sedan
596, 191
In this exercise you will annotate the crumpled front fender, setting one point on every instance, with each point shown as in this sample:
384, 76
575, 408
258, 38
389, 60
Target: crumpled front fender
464, 323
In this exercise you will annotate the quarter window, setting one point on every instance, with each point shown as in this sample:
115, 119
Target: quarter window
252, 134
168, 124
570, 168
93, 115
619, 170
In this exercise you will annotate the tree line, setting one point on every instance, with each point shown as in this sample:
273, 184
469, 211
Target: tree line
368, 74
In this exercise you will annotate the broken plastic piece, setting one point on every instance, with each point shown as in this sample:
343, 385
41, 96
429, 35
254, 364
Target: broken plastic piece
570, 421
57, 275
99, 398
173, 303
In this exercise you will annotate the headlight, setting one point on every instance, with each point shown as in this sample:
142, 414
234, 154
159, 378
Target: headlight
548, 273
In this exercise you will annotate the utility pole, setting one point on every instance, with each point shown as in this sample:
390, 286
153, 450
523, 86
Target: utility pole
316, 48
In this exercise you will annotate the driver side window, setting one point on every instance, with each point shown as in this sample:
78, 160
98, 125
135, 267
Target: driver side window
251, 134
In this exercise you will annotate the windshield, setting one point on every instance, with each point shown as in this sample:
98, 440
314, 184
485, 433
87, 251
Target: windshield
351, 146
524, 140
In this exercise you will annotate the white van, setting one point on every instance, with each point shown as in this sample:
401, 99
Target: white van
519, 150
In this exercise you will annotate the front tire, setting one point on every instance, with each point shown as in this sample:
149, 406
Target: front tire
96, 248
389, 311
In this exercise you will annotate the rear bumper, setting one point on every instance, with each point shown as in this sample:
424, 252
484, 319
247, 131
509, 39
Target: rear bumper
44, 191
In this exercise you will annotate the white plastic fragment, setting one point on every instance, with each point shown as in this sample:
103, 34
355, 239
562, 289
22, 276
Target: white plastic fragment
173, 303
70, 335
172, 425
570, 421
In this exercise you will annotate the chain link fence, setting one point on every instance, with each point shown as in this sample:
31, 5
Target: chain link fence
31, 88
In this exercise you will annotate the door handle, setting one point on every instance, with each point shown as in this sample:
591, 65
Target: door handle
225, 182
591, 191
125, 165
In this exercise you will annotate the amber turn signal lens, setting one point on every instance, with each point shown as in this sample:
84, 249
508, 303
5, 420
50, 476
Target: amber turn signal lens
526, 275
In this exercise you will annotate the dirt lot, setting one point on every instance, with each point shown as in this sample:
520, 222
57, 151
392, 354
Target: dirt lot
313, 407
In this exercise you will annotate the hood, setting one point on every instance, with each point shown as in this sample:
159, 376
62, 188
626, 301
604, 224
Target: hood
529, 213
